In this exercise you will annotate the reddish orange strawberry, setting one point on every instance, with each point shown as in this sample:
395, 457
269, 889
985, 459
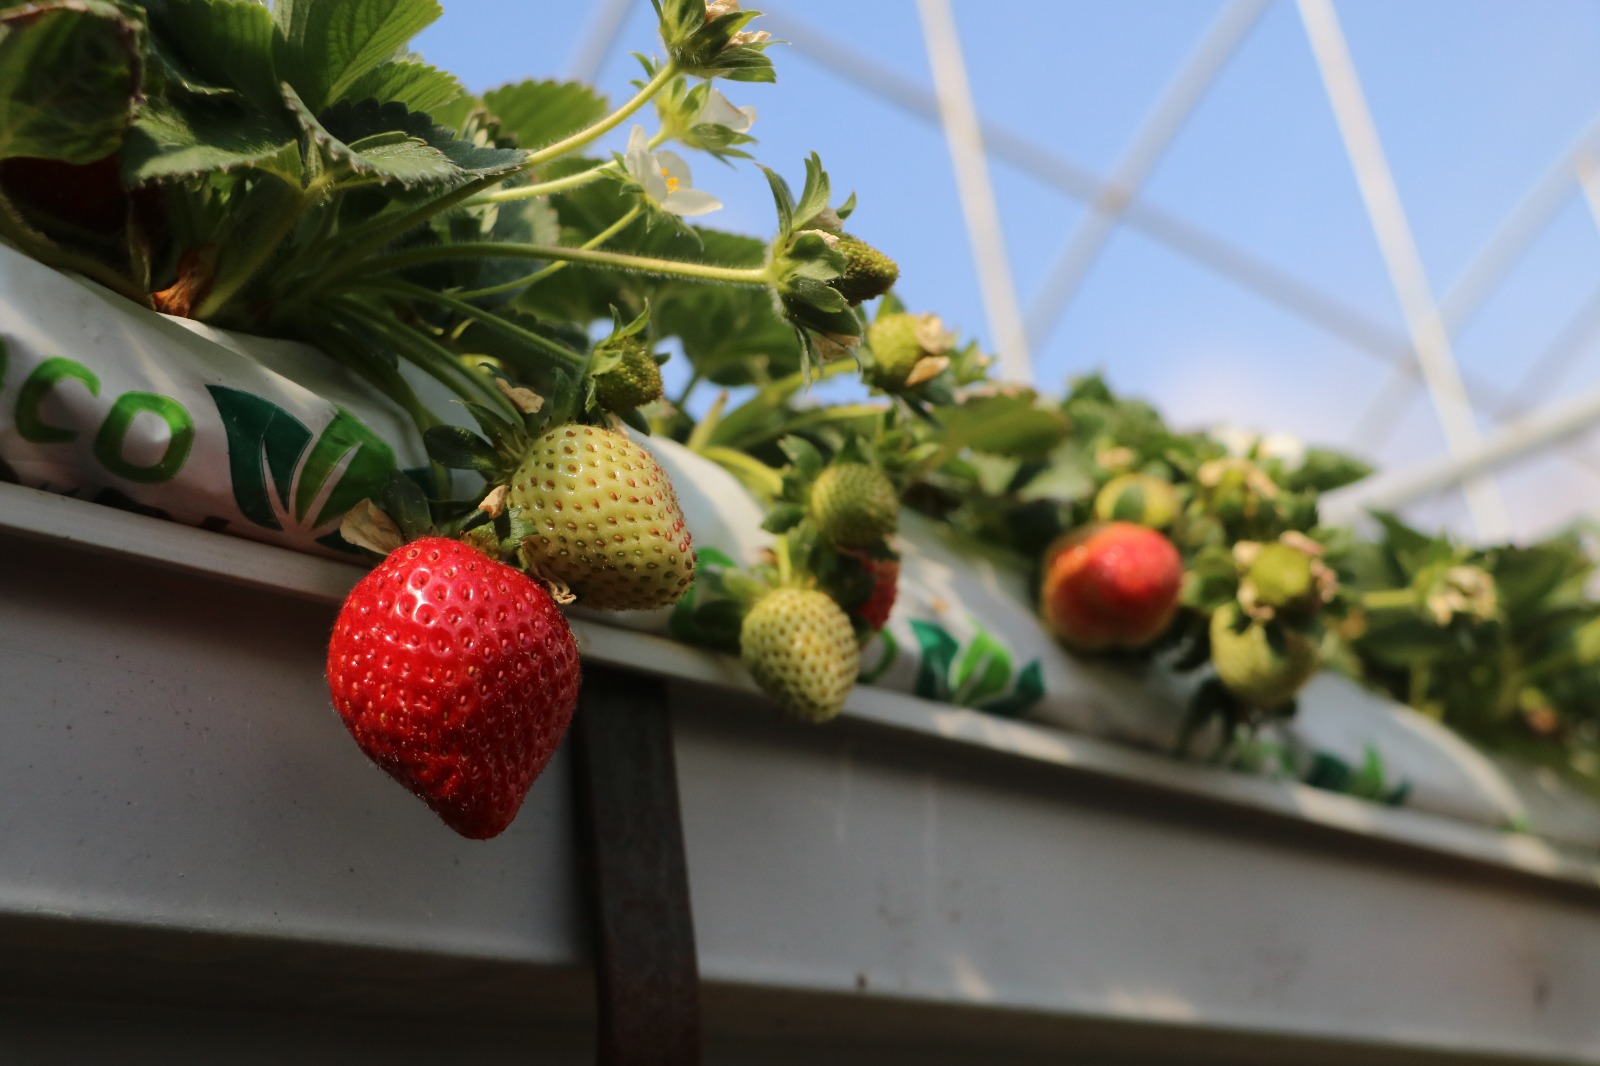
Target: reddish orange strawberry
458, 676
884, 573
1113, 585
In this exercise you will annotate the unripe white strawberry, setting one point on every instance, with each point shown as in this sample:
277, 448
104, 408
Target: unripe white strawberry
607, 522
801, 649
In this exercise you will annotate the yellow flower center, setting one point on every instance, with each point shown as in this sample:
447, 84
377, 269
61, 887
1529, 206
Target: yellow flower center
672, 182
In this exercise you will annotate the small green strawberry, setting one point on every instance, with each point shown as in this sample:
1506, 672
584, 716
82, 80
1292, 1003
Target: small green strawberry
634, 381
801, 649
1263, 663
606, 520
1141, 498
854, 505
867, 272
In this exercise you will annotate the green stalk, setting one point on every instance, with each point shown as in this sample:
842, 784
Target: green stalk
672, 268
378, 232
387, 380
226, 287
543, 188
756, 475
539, 275
668, 71
417, 292
1390, 600
433, 359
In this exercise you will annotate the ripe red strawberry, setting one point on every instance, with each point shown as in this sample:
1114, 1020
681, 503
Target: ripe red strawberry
873, 611
1110, 586
458, 676
608, 522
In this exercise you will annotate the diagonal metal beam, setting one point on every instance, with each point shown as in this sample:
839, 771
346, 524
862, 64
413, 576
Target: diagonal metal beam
1243, 268
1160, 127
1531, 217
605, 26
964, 136
1543, 428
1376, 182
1192, 242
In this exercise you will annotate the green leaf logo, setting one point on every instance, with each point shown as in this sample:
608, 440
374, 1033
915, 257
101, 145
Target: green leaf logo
981, 678
284, 476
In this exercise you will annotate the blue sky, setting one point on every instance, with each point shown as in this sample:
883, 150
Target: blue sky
1473, 99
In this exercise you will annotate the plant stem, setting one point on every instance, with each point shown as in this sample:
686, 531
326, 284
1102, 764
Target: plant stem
378, 232
1390, 600
431, 357
488, 318
675, 268
668, 71
264, 248
543, 188
539, 275
752, 472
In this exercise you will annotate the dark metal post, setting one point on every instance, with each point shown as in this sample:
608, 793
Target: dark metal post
630, 830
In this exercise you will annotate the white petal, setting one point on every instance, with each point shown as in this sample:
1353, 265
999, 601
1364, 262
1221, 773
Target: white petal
674, 166
638, 140
654, 182
718, 111
690, 202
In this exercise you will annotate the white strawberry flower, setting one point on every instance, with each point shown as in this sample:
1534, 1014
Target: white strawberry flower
720, 111
665, 178
1288, 449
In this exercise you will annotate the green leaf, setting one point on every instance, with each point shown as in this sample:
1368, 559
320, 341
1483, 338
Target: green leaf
184, 135
938, 651
413, 84
392, 155
391, 144
218, 43
69, 77
1325, 470
538, 113
274, 460
1004, 424
783, 518
460, 449
323, 47
404, 502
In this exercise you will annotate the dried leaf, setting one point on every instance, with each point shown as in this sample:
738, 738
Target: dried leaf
365, 526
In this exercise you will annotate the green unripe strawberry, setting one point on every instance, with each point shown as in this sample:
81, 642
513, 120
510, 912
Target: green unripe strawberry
895, 349
1144, 499
607, 522
1263, 663
634, 381
854, 505
801, 649
867, 271
1283, 577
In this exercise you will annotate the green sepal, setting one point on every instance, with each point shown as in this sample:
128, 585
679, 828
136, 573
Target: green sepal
783, 517
460, 449
404, 501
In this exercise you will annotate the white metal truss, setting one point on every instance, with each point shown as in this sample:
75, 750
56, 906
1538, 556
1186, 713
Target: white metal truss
1423, 355
964, 137
1400, 255
1165, 121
